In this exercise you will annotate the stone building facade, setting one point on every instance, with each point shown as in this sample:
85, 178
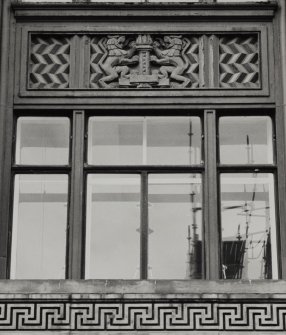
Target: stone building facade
143, 167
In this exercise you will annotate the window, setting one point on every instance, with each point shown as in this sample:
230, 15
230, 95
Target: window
248, 219
137, 196
148, 199
40, 198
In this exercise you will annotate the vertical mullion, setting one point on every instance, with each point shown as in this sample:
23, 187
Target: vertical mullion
214, 61
281, 189
78, 64
86, 62
144, 227
210, 198
73, 61
205, 70
76, 199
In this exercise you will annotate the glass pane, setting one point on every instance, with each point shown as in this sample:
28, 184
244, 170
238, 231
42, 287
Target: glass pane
174, 140
112, 227
42, 141
115, 141
144, 140
249, 248
175, 226
39, 227
246, 140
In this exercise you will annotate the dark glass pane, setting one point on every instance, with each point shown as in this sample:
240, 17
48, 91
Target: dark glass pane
249, 248
112, 227
175, 226
144, 140
39, 227
42, 141
246, 140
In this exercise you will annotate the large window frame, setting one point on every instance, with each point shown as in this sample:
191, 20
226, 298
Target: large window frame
78, 170
251, 168
25, 169
144, 171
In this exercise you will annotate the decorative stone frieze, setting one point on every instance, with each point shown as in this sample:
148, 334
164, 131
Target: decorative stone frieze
155, 61
86, 313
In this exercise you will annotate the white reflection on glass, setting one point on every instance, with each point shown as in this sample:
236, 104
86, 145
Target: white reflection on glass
173, 140
113, 226
42, 141
175, 226
39, 227
246, 140
115, 141
249, 248
144, 140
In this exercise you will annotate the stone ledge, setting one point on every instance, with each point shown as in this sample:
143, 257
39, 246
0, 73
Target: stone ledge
159, 287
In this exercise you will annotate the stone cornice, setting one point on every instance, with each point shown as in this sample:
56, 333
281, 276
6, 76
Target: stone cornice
132, 11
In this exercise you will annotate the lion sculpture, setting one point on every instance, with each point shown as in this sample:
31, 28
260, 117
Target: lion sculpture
173, 59
116, 63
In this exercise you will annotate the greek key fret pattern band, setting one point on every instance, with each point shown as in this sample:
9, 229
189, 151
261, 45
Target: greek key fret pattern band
106, 315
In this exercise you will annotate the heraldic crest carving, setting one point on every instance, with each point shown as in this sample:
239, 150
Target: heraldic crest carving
144, 61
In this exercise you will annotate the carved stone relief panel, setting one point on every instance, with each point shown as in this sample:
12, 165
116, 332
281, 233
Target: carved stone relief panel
239, 62
49, 62
156, 61
144, 61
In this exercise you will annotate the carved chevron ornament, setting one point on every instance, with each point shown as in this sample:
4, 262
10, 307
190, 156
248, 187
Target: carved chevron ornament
239, 62
49, 62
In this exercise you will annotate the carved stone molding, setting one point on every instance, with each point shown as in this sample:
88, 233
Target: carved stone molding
83, 314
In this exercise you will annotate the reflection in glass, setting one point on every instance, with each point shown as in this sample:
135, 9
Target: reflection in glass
42, 141
113, 227
249, 249
39, 227
144, 140
115, 141
173, 140
175, 226
246, 140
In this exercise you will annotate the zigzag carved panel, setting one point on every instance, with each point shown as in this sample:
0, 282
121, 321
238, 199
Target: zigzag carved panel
93, 315
239, 62
49, 62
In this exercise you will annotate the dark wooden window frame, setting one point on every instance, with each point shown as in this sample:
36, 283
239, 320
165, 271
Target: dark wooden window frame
253, 168
78, 169
29, 18
144, 171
